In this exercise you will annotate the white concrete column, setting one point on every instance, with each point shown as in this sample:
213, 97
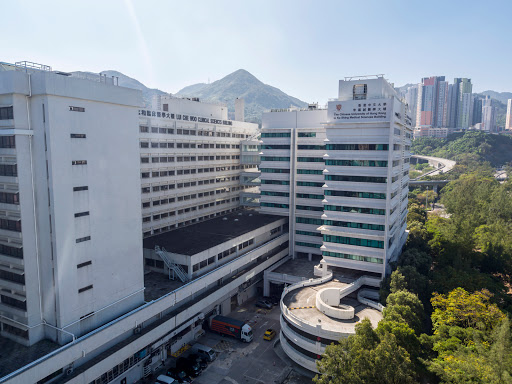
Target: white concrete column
266, 287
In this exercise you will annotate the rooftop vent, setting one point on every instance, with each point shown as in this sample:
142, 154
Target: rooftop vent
236, 220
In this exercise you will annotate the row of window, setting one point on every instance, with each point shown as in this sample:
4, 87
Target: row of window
275, 146
360, 195
168, 144
274, 205
348, 256
358, 163
310, 159
309, 171
309, 196
7, 141
163, 215
354, 241
10, 276
348, 224
190, 132
311, 146
367, 211
11, 251
179, 159
274, 158
13, 302
306, 134
10, 225
275, 182
307, 233
8, 170
222, 255
309, 208
307, 220
9, 198
310, 245
357, 147
308, 184
357, 179
274, 170
273, 193
276, 134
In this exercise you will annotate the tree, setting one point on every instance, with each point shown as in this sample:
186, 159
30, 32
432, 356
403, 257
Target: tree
365, 358
404, 306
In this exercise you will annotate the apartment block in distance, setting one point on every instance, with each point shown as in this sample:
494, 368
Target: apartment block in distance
341, 175
189, 162
70, 226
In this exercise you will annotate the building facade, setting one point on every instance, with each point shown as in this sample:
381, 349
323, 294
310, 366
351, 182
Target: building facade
69, 192
341, 175
508, 119
189, 162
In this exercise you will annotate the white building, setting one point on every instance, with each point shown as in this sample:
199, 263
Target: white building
341, 175
189, 162
70, 181
488, 116
508, 123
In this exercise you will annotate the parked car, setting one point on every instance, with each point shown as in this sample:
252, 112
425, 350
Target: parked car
264, 304
201, 361
162, 379
180, 376
269, 334
274, 299
191, 368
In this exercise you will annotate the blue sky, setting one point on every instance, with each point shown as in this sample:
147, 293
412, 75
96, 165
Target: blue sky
302, 47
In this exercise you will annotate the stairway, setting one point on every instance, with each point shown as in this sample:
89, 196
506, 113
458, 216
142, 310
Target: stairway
176, 268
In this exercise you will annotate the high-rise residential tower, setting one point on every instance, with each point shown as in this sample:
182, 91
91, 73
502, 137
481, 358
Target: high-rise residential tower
488, 115
432, 96
508, 120
341, 175
70, 231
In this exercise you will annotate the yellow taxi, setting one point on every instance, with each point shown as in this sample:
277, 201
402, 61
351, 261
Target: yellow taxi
269, 334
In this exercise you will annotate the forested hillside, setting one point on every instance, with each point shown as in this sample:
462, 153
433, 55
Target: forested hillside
496, 149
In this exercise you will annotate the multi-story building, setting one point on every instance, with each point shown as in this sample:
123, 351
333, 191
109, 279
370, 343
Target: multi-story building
341, 175
411, 98
508, 120
189, 162
488, 115
464, 103
70, 192
432, 97
477, 111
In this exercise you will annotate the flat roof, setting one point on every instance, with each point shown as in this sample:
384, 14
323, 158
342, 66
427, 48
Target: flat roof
201, 236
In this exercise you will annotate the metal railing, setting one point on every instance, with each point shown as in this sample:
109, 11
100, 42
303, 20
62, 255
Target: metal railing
169, 263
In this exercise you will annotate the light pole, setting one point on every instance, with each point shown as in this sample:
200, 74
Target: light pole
426, 199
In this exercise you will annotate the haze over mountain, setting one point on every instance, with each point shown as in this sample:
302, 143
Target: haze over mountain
257, 95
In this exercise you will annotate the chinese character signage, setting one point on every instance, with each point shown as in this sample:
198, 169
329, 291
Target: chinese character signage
359, 111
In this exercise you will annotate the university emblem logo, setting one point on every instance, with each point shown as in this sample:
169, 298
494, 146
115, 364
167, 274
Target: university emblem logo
338, 107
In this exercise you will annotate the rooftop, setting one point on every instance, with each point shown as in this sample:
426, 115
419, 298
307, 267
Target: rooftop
201, 236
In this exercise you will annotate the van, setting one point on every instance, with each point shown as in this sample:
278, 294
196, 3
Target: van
162, 379
204, 352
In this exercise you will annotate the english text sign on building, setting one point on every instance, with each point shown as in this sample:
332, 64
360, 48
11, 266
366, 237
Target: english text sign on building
359, 110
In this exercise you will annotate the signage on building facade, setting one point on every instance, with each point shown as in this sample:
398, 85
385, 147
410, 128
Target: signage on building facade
359, 110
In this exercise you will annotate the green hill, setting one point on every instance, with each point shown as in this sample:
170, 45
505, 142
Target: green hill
496, 149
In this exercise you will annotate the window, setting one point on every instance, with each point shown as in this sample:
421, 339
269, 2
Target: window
272, 193
354, 241
79, 162
165, 107
310, 245
276, 134
278, 182
6, 113
309, 171
275, 205
357, 179
310, 159
316, 147
307, 233
11, 251
357, 147
76, 109
13, 303
357, 163
10, 225
12, 276
81, 214
82, 239
307, 184
85, 289
309, 208
364, 195
353, 257
144, 160
9, 198
144, 144
359, 91
82, 188
7, 141
309, 196
78, 135
348, 224
368, 211
307, 134
306, 220
274, 170
84, 264
8, 170
274, 146
143, 129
